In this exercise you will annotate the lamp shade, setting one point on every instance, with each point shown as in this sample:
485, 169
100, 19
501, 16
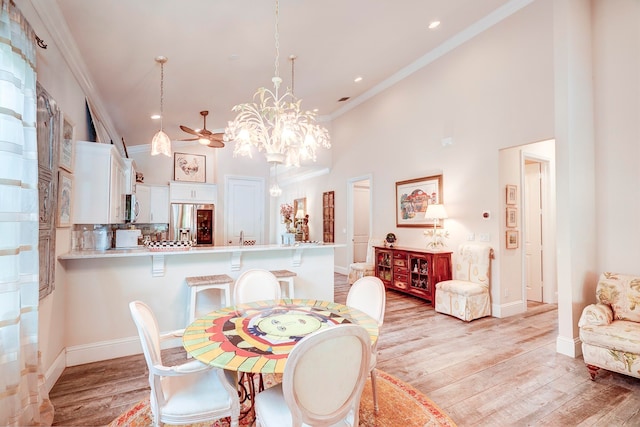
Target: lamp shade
161, 144
300, 214
435, 212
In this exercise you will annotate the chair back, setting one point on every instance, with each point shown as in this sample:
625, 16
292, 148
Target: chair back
256, 285
325, 375
370, 249
149, 333
368, 295
473, 263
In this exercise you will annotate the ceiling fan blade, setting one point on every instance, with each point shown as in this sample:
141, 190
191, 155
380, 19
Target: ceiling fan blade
189, 139
215, 144
189, 130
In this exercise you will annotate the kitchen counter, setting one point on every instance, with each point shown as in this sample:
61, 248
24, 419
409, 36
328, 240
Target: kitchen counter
158, 256
100, 284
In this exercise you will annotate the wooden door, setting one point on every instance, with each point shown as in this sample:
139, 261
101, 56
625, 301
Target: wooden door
244, 206
533, 231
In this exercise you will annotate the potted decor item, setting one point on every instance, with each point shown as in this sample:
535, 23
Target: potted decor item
390, 240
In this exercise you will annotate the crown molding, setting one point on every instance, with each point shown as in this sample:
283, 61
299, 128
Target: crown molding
462, 37
53, 20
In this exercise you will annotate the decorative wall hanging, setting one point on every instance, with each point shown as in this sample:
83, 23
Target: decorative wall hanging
412, 198
189, 167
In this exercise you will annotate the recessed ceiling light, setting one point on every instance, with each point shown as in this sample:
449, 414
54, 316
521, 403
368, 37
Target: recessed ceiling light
358, 79
434, 24
155, 117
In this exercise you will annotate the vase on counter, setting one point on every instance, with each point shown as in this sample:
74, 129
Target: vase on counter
288, 239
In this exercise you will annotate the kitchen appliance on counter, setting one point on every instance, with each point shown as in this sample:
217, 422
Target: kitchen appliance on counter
128, 238
192, 222
131, 208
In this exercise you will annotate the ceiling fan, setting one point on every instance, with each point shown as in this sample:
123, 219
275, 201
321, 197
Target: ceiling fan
204, 136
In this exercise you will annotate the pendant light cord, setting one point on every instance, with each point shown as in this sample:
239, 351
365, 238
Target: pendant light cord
277, 40
161, 95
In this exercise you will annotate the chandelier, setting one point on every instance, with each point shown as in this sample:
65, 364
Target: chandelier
276, 124
161, 144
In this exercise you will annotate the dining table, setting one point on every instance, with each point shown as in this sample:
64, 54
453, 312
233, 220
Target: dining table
257, 337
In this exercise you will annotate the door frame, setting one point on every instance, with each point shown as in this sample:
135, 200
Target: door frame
549, 289
350, 213
260, 220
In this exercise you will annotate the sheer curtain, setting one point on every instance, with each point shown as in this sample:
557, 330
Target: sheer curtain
23, 398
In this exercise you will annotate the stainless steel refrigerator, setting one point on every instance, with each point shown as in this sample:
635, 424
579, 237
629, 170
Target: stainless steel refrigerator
192, 222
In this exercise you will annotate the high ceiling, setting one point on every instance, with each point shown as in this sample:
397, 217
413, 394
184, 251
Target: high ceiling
220, 51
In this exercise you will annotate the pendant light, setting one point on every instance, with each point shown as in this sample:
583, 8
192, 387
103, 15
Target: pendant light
161, 144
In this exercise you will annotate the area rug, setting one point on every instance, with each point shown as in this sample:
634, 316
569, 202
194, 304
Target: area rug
399, 405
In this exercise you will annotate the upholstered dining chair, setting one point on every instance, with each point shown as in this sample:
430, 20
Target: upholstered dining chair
366, 268
467, 296
368, 295
322, 381
183, 394
256, 285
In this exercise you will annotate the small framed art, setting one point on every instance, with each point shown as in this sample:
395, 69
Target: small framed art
412, 198
67, 148
189, 167
65, 199
512, 216
512, 194
512, 239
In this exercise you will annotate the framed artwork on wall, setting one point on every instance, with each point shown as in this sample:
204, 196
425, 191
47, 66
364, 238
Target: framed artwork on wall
512, 194
189, 167
67, 147
412, 198
512, 216
512, 239
65, 199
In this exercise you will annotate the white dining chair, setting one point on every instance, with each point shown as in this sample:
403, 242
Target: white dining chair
256, 285
368, 295
183, 394
322, 382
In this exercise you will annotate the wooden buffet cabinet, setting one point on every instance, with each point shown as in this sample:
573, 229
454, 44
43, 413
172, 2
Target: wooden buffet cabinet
412, 271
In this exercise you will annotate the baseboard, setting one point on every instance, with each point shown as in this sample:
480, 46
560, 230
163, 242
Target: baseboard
105, 350
569, 347
506, 310
55, 371
341, 270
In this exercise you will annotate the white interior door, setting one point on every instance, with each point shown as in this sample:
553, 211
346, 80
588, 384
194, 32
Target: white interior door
533, 230
361, 200
244, 206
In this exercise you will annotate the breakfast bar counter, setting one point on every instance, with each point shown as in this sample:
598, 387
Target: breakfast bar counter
100, 284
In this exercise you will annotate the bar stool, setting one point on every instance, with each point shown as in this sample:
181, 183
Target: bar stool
285, 277
197, 284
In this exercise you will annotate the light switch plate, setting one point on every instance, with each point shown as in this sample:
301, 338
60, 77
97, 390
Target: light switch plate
484, 237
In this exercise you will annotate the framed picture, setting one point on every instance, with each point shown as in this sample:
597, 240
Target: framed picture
512, 216
512, 239
65, 199
67, 148
512, 194
189, 167
412, 198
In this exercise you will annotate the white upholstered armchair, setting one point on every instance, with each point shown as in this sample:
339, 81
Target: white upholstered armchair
467, 296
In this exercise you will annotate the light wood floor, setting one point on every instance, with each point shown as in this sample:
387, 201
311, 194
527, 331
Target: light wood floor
489, 372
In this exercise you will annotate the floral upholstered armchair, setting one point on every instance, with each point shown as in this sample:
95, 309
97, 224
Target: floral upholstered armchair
610, 329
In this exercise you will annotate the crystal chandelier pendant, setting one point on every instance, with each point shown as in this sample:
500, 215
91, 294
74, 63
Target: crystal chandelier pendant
277, 124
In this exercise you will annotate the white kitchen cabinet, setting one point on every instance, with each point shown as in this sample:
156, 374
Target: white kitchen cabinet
130, 176
192, 192
154, 204
99, 184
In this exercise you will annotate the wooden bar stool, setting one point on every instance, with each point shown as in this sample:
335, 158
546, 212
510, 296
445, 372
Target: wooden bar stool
285, 277
197, 284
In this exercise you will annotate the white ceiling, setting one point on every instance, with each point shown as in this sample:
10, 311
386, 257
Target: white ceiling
221, 51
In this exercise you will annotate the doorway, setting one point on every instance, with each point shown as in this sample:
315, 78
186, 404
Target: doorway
244, 206
359, 219
533, 267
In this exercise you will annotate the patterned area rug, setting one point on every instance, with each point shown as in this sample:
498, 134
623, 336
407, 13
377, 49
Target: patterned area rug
400, 405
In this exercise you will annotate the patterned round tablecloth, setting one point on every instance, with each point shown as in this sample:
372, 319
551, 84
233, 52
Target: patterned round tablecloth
257, 337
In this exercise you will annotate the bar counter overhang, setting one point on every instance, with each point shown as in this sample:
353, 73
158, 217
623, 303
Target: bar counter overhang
100, 284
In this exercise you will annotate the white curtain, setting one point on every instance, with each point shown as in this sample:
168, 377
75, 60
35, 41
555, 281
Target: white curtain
23, 397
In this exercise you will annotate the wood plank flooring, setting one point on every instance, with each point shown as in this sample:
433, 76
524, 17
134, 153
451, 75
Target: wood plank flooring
489, 372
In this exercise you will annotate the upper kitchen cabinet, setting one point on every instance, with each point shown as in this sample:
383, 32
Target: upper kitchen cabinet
154, 203
192, 192
100, 183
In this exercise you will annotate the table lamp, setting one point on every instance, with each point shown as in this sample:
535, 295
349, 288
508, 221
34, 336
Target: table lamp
435, 212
